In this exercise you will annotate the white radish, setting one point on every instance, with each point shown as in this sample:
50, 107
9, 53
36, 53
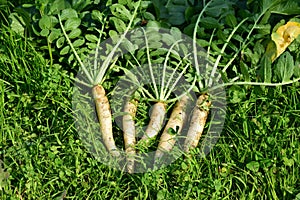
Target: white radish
197, 123
129, 133
155, 125
105, 119
175, 123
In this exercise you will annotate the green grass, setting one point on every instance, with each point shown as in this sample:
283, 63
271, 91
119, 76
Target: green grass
257, 156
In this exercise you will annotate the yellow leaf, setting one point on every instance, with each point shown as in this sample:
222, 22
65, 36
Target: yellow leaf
284, 36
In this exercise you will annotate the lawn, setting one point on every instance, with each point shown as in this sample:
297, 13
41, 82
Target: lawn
43, 156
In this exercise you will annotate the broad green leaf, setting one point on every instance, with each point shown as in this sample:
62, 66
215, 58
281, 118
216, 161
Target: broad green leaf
74, 33
119, 24
72, 23
120, 12
68, 13
45, 32
58, 5
176, 14
45, 22
55, 33
285, 67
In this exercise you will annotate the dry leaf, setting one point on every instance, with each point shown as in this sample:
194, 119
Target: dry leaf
284, 36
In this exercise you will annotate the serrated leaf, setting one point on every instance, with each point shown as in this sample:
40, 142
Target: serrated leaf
121, 12
72, 24
285, 67
60, 42
65, 50
74, 33
68, 13
78, 42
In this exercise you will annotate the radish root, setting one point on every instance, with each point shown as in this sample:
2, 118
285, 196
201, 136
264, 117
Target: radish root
197, 123
105, 119
130, 109
155, 124
173, 127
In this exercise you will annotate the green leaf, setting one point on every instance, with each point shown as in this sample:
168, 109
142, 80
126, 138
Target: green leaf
45, 32
58, 5
231, 20
288, 162
253, 166
65, 50
68, 13
297, 69
45, 22
119, 24
97, 15
236, 94
55, 33
149, 16
91, 38
266, 71
60, 42
120, 12
74, 33
209, 23
72, 24
285, 67
245, 71
78, 42
168, 39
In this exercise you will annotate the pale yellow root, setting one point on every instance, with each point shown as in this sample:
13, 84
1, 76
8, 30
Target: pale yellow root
175, 123
197, 123
129, 133
105, 119
156, 120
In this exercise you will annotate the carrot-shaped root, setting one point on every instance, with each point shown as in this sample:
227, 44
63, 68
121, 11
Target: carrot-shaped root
197, 123
129, 133
105, 119
172, 128
156, 121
